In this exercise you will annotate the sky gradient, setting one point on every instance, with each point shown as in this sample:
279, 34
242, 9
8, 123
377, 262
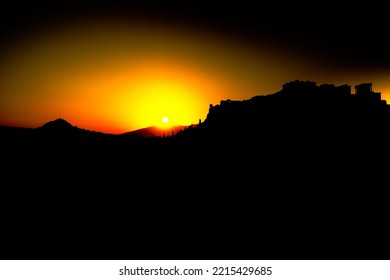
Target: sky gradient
120, 68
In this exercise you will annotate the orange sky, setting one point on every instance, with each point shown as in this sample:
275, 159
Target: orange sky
119, 75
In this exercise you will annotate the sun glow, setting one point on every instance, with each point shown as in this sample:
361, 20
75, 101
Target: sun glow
166, 95
118, 75
165, 125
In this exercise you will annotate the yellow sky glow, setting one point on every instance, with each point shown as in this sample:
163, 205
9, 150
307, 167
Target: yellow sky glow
117, 76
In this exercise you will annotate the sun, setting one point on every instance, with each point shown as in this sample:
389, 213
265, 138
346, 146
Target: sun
165, 120
165, 123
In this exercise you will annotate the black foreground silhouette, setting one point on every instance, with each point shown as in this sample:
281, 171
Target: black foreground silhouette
300, 172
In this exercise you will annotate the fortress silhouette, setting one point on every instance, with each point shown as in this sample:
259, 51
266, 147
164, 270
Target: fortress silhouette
301, 109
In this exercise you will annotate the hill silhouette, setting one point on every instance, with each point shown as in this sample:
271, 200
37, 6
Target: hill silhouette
56, 125
155, 131
308, 162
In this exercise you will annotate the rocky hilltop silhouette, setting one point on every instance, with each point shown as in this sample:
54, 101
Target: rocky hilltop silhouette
303, 119
301, 108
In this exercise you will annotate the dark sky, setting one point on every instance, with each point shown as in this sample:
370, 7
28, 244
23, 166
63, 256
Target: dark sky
355, 31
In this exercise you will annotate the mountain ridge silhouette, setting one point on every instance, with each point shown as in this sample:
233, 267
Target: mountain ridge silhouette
155, 131
63, 126
297, 101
